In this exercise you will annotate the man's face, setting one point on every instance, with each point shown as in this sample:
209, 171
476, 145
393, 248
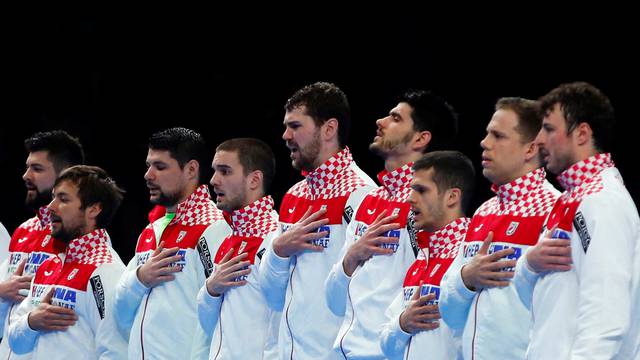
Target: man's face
302, 138
166, 181
395, 131
228, 181
504, 153
68, 221
39, 179
555, 144
427, 203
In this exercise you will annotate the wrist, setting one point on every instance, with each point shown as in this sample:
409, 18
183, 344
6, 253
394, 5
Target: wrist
349, 265
464, 274
279, 250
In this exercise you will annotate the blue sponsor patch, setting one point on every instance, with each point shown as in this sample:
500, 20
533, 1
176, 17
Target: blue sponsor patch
323, 241
65, 298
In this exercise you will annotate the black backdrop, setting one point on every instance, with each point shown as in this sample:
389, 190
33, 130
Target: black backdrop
113, 81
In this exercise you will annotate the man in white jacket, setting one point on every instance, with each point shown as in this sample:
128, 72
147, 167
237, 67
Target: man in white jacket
231, 301
314, 215
477, 294
581, 281
69, 313
441, 189
370, 271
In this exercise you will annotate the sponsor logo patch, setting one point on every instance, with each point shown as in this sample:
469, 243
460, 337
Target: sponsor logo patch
98, 294
581, 226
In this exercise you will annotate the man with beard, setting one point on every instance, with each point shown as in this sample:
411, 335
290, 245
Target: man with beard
231, 300
314, 214
71, 293
582, 280
477, 296
380, 241
441, 190
156, 295
31, 244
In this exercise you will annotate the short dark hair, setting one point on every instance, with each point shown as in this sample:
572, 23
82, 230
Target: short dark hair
324, 101
63, 149
452, 169
582, 102
253, 155
183, 145
432, 113
528, 112
94, 186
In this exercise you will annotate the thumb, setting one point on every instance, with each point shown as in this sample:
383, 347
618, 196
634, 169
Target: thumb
20, 268
226, 256
416, 294
484, 249
549, 233
47, 298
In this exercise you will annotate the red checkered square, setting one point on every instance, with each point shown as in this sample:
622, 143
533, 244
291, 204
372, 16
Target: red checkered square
395, 184
525, 196
197, 209
335, 178
92, 248
445, 242
256, 219
584, 178
39, 222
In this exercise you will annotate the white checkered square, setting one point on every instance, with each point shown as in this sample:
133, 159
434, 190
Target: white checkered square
333, 179
584, 178
197, 209
91, 248
255, 219
445, 242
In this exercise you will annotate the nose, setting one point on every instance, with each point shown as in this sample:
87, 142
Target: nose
484, 144
27, 174
53, 205
287, 134
540, 138
149, 175
381, 122
411, 200
215, 179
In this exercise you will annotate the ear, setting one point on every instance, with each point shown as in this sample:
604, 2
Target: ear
583, 134
329, 130
532, 150
453, 197
421, 140
92, 212
192, 169
255, 180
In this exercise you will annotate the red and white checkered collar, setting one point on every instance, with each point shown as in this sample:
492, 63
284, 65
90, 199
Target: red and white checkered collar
519, 187
44, 215
397, 181
197, 209
255, 212
583, 170
444, 242
328, 172
91, 248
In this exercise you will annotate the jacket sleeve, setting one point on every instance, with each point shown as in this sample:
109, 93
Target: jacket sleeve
337, 283
524, 281
274, 278
207, 247
4, 304
393, 340
208, 309
111, 341
608, 228
456, 298
5, 239
128, 294
22, 339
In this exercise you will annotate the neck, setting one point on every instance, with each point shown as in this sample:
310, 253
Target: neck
326, 153
393, 162
449, 216
252, 197
584, 152
190, 189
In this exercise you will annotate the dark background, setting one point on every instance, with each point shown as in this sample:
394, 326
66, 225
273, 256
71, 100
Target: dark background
115, 80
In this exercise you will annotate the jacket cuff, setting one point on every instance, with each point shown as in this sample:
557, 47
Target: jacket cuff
461, 288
